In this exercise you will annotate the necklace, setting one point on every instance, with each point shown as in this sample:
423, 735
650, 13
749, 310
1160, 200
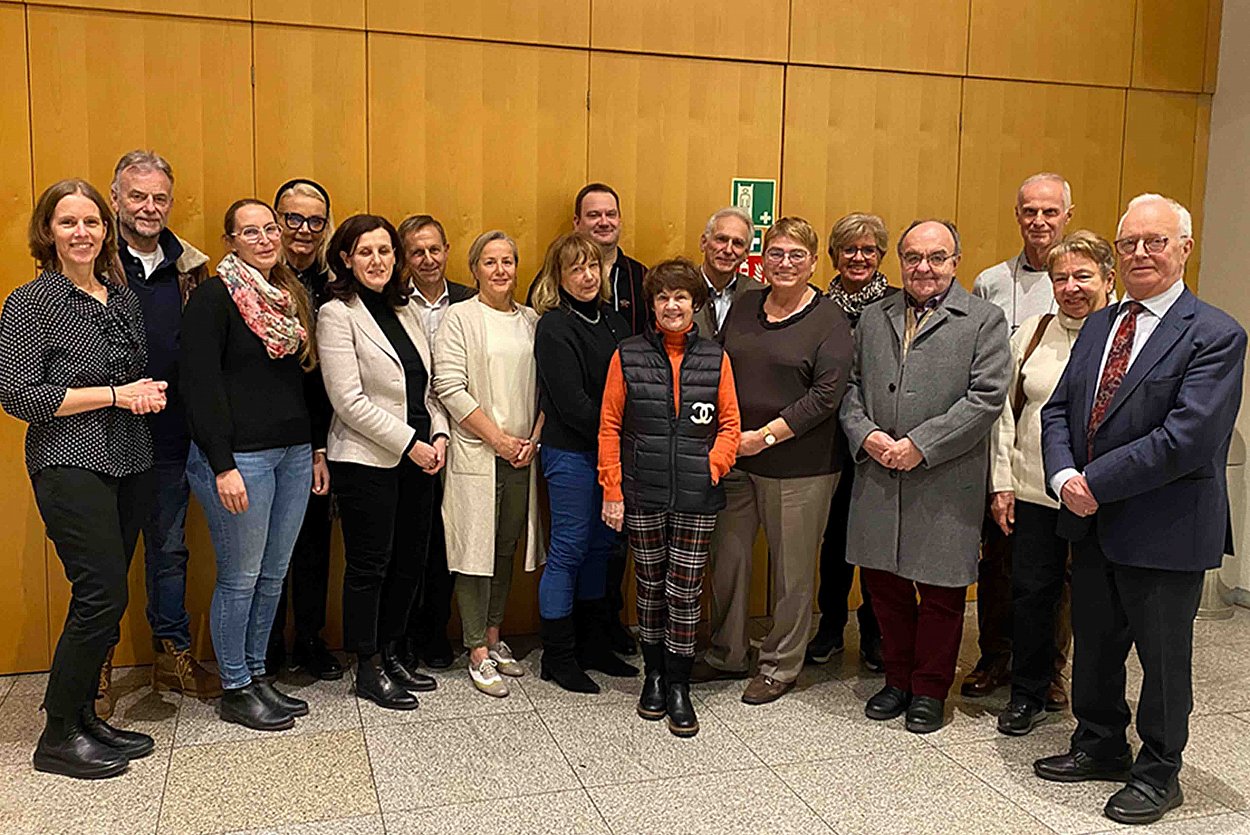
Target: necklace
584, 317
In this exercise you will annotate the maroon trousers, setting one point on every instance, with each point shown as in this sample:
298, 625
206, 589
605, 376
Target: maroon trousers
919, 641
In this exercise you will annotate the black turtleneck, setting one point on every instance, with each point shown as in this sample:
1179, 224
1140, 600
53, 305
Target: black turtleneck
416, 377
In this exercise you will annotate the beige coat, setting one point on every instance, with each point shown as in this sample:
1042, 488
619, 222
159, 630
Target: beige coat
462, 383
365, 382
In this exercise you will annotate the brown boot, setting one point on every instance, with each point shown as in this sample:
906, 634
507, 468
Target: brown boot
104, 689
177, 670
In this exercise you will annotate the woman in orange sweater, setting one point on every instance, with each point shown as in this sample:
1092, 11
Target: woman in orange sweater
668, 432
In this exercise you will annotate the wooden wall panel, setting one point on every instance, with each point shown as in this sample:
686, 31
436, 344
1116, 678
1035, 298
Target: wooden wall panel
347, 14
310, 112
551, 22
228, 9
870, 142
755, 30
1012, 130
1077, 41
1170, 44
1211, 63
881, 34
24, 594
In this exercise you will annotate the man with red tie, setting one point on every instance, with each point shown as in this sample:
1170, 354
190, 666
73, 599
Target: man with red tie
1135, 442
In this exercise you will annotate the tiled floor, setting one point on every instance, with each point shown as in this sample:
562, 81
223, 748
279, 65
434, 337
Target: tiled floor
546, 761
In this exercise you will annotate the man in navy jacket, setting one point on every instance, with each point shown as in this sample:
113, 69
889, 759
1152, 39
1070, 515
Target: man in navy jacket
1135, 442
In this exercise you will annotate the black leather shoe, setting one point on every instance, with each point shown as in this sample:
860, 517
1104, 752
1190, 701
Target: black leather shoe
677, 704
276, 698
887, 703
131, 743
596, 645
822, 647
653, 702
401, 675
373, 683
619, 637
73, 752
247, 707
1077, 766
870, 655
1019, 718
1139, 803
925, 715
437, 653
311, 655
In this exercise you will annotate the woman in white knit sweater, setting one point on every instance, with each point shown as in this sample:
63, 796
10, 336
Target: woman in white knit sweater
1082, 272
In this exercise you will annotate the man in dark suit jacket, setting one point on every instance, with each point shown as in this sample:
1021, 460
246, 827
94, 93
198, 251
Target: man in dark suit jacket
1135, 442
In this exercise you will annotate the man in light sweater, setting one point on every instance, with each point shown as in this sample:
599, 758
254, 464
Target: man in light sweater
1021, 287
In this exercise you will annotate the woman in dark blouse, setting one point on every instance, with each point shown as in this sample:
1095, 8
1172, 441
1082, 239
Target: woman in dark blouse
246, 337
387, 444
72, 349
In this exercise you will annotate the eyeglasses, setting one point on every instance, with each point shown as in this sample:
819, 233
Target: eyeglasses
253, 234
935, 259
794, 256
1154, 244
868, 252
294, 220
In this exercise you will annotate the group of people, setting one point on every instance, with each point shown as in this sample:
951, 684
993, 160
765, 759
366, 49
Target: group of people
1033, 435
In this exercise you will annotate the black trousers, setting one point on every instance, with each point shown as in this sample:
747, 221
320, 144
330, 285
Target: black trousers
431, 613
1039, 572
618, 561
94, 520
994, 595
836, 574
1115, 607
308, 575
386, 515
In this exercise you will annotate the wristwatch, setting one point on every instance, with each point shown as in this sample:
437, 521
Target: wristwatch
769, 437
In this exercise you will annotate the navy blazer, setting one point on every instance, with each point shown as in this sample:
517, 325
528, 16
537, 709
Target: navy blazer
1159, 457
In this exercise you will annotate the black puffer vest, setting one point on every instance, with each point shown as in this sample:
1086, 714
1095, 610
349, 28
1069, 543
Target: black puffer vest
664, 456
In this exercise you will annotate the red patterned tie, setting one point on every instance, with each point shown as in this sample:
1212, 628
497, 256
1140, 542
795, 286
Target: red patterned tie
1113, 372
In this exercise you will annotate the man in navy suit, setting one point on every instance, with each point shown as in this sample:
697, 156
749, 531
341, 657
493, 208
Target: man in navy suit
1135, 441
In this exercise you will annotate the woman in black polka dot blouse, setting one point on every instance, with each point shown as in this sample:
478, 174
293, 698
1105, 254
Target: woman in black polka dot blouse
72, 353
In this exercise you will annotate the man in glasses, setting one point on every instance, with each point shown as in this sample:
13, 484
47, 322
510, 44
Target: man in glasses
161, 269
1135, 441
724, 244
930, 376
1021, 287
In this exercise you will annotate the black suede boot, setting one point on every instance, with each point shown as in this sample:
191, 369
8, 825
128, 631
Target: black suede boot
559, 664
373, 683
66, 748
131, 743
680, 709
401, 673
594, 646
247, 707
652, 703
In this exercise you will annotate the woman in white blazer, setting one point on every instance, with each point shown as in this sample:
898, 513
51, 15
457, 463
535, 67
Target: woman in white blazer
387, 444
486, 378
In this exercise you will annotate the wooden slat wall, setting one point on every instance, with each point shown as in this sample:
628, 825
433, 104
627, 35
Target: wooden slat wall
492, 113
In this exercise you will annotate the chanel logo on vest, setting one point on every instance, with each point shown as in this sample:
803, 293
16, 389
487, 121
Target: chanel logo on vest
702, 412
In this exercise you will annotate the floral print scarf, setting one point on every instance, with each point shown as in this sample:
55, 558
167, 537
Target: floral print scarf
269, 311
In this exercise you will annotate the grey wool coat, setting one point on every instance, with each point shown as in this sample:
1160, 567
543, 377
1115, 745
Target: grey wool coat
925, 524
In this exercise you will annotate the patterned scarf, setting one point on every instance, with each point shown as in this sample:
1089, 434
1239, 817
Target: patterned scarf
853, 304
269, 311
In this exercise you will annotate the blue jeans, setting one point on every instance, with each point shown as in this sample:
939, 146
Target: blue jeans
253, 550
165, 553
577, 560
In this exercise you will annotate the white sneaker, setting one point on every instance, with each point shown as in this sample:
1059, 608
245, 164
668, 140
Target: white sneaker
486, 679
501, 654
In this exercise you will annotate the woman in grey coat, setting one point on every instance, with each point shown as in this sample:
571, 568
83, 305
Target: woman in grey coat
929, 379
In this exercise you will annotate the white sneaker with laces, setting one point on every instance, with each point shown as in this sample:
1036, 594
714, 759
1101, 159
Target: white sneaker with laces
501, 654
486, 679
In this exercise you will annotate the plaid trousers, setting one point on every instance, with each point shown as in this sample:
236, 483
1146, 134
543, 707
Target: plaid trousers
670, 553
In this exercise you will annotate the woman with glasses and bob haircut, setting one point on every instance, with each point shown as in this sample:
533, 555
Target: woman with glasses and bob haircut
791, 349
247, 341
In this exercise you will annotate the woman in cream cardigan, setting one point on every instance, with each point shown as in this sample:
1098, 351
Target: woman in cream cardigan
484, 374
1082, 273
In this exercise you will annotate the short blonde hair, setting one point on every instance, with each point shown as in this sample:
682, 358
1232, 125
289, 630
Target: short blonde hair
568, 249
795, 228
854, 226
1086, 244
479, 244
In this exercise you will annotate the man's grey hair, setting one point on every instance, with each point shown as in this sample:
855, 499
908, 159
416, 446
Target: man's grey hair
140, 158
950, 227
1047, 177
1184, 220
731, 211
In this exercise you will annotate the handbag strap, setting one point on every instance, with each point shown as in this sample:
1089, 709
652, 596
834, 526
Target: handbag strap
1017, 396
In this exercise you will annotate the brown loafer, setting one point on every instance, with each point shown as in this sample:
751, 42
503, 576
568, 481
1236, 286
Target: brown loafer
1056, 696
764, 689
984, 680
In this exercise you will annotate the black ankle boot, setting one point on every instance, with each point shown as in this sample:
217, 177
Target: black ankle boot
392, 663
66, 748
131, 743
247, 707
594, 646
277, 699
373, 683
559, 664
652, 703
311, 655
680, 709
